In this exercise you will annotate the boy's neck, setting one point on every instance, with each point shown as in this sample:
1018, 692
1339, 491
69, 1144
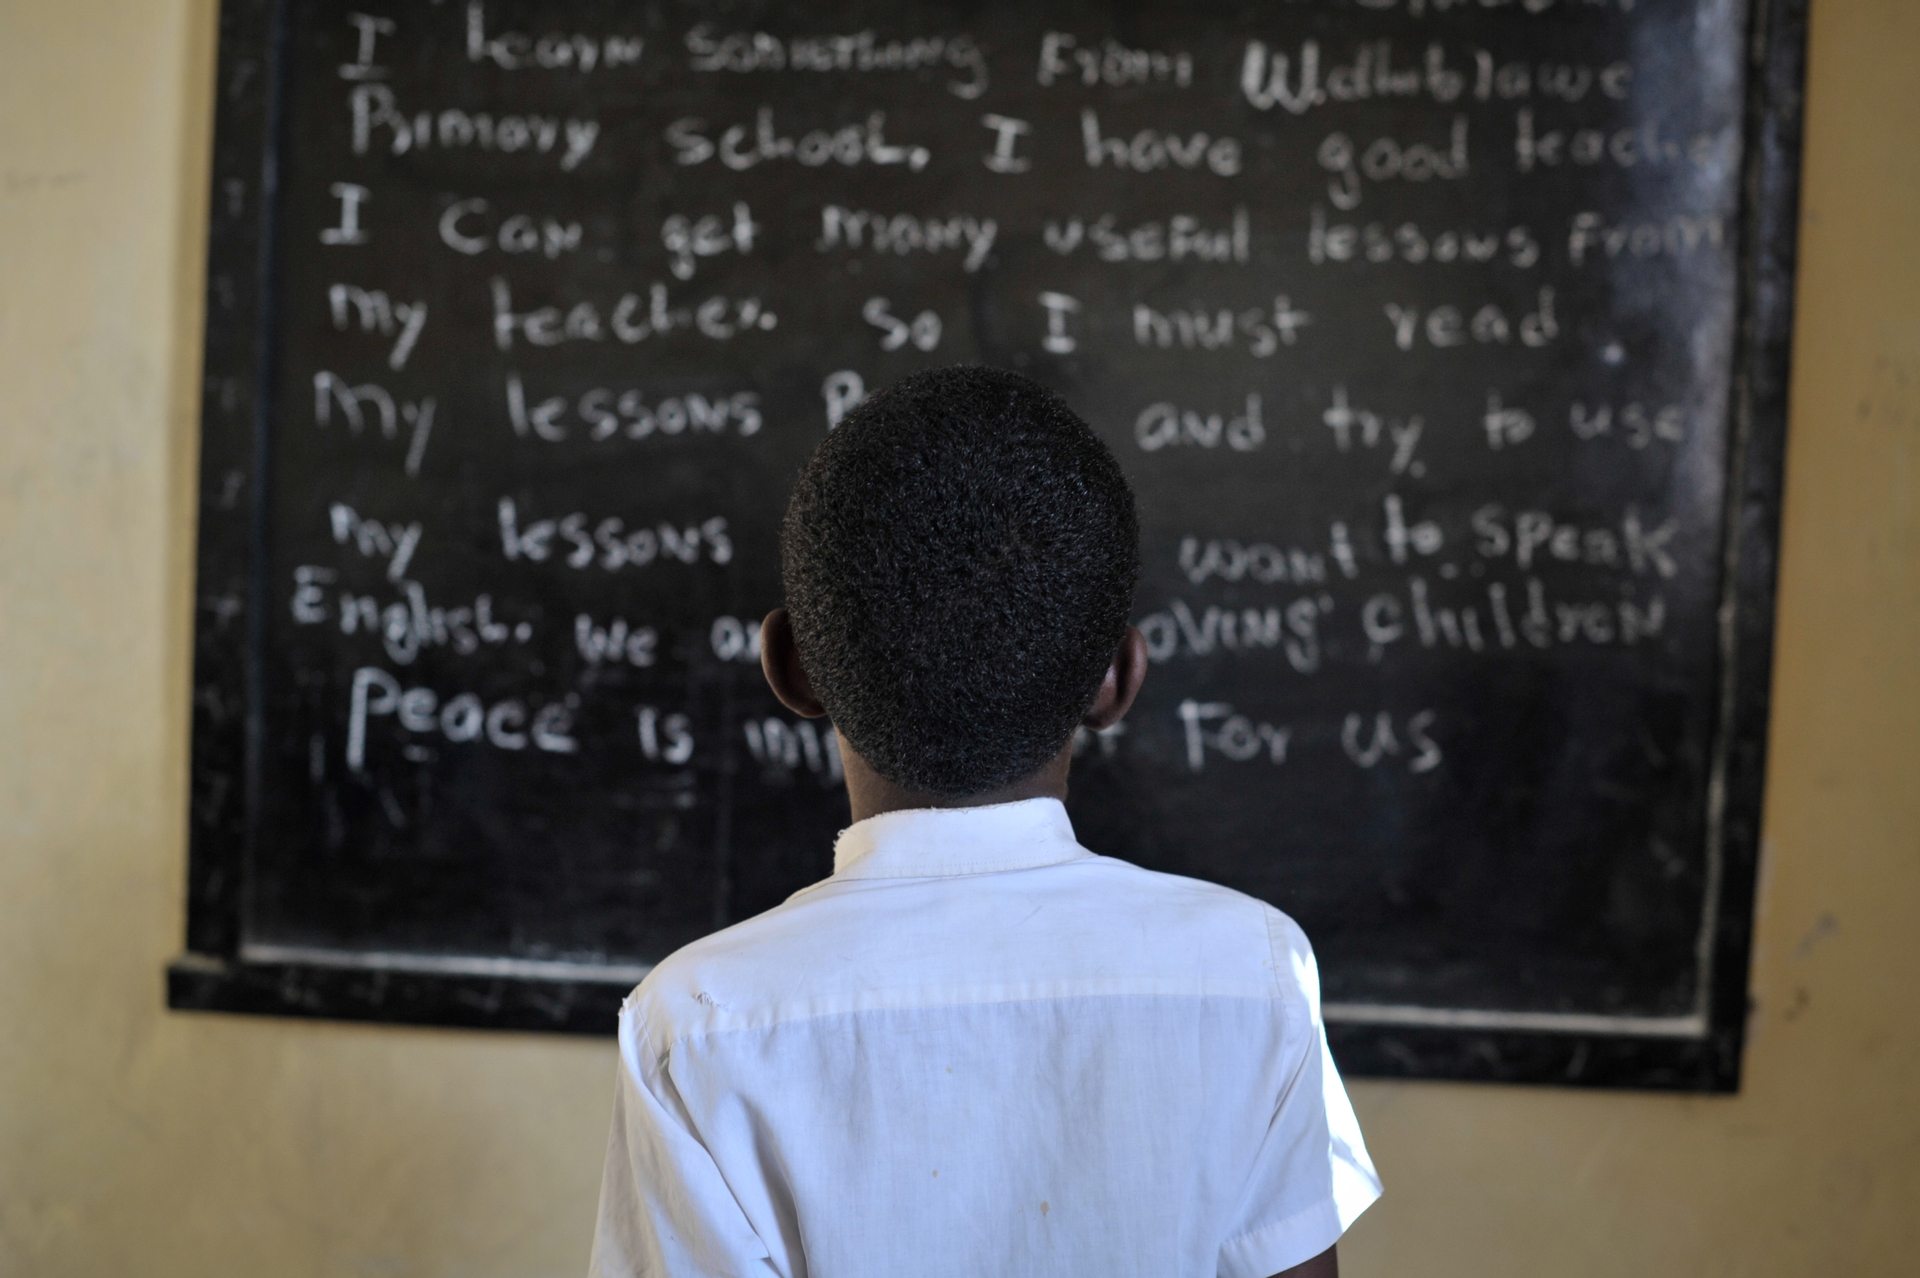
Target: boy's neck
871, 794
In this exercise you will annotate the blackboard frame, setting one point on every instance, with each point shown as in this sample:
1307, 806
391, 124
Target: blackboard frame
228, 730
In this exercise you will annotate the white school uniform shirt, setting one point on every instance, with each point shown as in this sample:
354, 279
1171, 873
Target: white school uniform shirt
980, 1050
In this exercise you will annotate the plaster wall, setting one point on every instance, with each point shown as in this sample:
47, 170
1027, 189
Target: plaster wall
135, 1141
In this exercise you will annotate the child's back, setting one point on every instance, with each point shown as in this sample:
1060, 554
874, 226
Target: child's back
979, 1049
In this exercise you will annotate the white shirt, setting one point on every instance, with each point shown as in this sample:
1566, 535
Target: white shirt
980, 1050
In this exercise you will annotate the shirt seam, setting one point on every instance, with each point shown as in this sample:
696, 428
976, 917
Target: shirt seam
689, 1035
1038, 821
1270, 916
1318, 1205
853, 875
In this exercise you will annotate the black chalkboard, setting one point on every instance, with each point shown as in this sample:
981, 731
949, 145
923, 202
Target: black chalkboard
1443, 340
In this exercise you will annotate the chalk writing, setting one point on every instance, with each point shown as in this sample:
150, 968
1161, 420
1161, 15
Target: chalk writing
1178, 239
1444, 326
509, 724
1537, 148
783, 748
1260, 332
375, 108
1408, 242
578, 542
395, 542
469, 227
735, 639
1151, 149
1064, 60
901, 234
550, 51
407, 626
631, 319
664, 738
1294, 630
688, 240
1385, 159
401, 321
862, 51
923, 332
740, 148
615, 642
331, 393
1410, 322
603, 413
1164, 425
1212, 725
1501, 618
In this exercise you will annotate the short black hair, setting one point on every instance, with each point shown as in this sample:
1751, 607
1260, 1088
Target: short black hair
959, 559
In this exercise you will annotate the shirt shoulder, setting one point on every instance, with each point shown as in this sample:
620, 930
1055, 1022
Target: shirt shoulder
692, 987
1085, 927
1248, 924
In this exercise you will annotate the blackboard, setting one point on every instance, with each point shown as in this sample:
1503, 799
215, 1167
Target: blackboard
1444, 342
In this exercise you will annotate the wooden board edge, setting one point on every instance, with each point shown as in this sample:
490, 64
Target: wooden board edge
1756, 482
211, 983
223, 798
1606, 1061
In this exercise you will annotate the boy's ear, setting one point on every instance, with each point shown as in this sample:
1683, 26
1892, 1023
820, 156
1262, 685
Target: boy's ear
1118, 689
780, 662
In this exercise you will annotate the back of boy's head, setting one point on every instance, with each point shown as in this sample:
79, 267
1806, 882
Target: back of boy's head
959, 559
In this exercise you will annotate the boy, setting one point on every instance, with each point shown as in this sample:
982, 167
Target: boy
977, 1049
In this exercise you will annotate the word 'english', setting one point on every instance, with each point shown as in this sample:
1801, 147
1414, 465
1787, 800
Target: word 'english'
405, 627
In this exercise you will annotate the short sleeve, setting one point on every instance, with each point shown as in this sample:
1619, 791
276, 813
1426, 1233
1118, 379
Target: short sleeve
1311, 1176
665, 1209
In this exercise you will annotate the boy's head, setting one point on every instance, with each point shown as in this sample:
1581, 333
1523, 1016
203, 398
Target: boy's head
959, 559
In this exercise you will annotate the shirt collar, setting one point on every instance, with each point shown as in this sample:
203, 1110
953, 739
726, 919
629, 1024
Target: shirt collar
937, 842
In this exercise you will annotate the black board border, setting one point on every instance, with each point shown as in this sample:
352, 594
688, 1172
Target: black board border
230, 596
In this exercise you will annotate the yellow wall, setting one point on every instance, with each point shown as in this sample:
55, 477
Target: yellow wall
136, 1142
